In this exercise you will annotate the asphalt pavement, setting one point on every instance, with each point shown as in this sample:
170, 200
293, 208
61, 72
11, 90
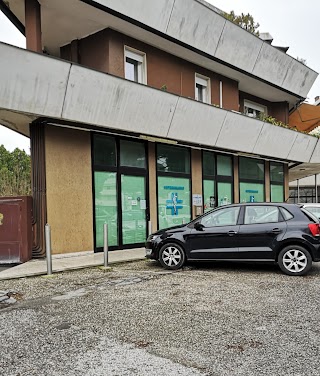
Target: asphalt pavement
214, 319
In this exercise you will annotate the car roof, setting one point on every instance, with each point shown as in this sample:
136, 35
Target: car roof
283, 204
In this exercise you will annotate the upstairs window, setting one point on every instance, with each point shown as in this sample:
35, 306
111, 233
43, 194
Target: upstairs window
202, 89
135, 66
255, 110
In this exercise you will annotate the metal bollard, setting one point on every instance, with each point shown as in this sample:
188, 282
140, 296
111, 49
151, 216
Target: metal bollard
105, 245
149, 228
48, 248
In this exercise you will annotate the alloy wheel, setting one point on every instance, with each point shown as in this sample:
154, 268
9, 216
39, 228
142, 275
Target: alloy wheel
171, 256
295, 261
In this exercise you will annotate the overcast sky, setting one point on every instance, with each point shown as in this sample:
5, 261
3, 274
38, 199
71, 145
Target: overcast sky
292, 23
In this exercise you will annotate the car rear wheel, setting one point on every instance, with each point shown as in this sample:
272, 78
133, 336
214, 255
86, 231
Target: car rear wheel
172, 256
295, 260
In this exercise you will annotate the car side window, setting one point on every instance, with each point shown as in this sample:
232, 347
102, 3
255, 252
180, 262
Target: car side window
286, 214
221, 217
261, 214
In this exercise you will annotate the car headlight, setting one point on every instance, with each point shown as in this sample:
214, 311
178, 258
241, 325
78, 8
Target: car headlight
152, 238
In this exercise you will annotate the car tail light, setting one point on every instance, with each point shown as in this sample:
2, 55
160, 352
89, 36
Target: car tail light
314, 228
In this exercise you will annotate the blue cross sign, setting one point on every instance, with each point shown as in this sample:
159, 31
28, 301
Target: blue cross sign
173, 204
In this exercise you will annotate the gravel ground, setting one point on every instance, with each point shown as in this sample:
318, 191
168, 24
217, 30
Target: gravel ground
208, 319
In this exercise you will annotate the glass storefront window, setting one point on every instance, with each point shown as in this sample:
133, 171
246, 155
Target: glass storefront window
174, 207
251, 192
209, 198
105, 151
277, 193
132, 154
105, 185
277, 182
208, 164
173, 159
251, 169
224, 165
276, 172
224, 194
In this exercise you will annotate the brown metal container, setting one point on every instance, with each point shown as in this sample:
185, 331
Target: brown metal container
15, 229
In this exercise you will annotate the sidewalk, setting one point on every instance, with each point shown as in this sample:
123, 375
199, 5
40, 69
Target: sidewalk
70, 261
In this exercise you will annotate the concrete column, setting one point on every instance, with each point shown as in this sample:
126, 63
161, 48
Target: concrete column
196, 175
33, 25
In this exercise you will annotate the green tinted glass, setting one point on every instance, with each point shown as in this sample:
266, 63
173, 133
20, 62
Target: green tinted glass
251, 169
105, 151
105, 186
132, 154
224, 165
224, 194
208, 163
277, 193
209, 199
173, 201
133, 209
173, 159
276, 172
251, 192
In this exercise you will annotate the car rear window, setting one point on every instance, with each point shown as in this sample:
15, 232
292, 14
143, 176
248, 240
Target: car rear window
315, 210
310, 216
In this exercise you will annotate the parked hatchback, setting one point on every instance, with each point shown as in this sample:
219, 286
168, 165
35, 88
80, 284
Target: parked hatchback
282, 233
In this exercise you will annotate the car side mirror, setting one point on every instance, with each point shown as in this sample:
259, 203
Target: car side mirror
198, 226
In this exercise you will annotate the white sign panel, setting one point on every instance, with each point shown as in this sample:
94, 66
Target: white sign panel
197, 200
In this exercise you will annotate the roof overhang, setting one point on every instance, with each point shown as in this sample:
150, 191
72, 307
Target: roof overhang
189, 29
302, 170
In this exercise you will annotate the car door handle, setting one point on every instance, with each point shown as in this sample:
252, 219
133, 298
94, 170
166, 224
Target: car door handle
231, 233
276, 231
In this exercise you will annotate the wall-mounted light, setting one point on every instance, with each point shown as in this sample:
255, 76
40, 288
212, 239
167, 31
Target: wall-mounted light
156, 139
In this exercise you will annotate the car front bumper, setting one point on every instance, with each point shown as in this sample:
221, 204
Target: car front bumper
151, 249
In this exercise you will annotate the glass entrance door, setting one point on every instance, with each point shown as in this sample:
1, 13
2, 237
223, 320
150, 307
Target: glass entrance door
134, 205
106, 207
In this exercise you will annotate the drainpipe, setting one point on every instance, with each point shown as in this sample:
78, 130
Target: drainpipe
221, 93
316, 187
298, 187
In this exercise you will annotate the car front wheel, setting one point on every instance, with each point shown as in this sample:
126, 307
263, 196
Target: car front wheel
172, 256
295, 260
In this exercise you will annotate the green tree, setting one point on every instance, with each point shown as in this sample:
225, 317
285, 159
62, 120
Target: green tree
15, 172
246, 21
